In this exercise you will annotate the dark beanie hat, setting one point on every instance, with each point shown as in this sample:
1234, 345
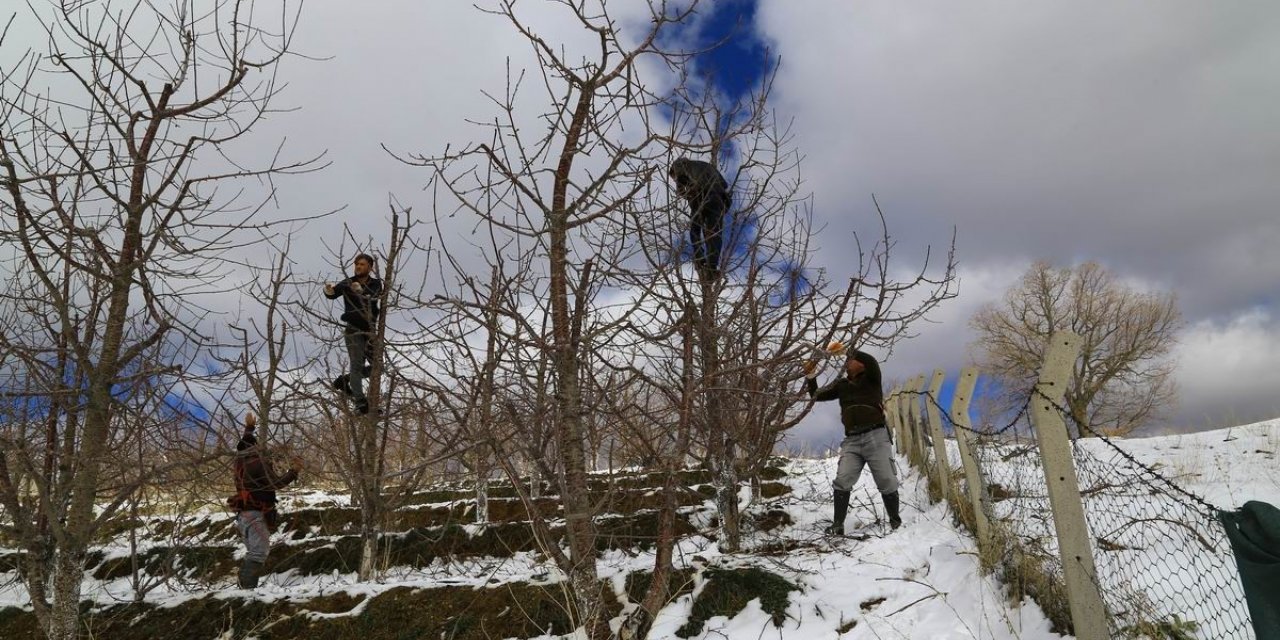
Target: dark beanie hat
861, 356
247, 440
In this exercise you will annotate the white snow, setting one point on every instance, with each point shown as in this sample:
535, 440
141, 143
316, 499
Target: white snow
922, 581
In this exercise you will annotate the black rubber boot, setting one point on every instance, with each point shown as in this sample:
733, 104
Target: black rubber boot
249, 571
891, 507
841, 510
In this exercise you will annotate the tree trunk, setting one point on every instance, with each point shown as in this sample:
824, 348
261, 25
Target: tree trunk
68, 574
726, 480
588, 592
569, 423
370, 530
482, 499
68, 571
577, 504
637, 626
641, 621
722, 449
39, 572
535, 482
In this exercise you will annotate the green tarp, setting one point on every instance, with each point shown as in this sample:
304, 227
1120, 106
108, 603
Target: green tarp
1254, 532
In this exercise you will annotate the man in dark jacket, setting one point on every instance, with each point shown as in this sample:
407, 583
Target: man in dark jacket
255, 501
866, 438
708, 196
360, 294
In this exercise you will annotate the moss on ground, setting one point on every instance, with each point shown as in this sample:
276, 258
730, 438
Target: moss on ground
679, 583
210, 530
770, 520
517, 610
417, 547
200, 563
772, 473
514, 610
16, 623
325, 539
599, 485
770, 490
728, 591
346, 520
338, 602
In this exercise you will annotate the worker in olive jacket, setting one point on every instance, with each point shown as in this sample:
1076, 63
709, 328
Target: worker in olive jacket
866, 437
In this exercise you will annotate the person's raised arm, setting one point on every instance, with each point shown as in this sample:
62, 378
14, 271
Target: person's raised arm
332, 291
829, 392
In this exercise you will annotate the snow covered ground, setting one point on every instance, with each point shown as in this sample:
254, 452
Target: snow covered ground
1228, 467
921, 581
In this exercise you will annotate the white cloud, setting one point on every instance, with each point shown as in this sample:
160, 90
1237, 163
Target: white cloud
1227, 370
1140, 136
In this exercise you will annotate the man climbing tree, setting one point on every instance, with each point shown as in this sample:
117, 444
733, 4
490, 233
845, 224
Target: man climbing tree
360, 295
708, 196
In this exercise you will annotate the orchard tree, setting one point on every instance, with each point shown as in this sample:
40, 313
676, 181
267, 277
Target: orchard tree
1123, 378
116, 211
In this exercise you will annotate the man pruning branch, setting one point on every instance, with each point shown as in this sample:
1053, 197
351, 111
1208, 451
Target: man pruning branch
866, 438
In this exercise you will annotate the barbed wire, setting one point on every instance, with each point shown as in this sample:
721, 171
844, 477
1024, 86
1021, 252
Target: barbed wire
1163, 564
946, 415
1211, 509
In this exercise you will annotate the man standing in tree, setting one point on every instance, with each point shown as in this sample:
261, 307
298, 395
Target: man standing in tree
255, 501
708, 196
360, 294
866, 438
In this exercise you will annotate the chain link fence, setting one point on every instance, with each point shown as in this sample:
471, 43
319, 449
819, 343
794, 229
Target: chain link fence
1164, 566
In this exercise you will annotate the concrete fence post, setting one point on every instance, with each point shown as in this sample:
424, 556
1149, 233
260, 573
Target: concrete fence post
919, 453
891, 417
1088, 613
941, 461
899, 414
972, 473
901, 402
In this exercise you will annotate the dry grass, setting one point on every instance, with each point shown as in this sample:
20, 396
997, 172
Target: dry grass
1026, 573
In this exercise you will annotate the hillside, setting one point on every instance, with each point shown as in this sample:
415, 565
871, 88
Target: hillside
449, 578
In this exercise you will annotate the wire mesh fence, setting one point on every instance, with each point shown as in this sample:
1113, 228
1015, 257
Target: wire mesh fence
1164, 567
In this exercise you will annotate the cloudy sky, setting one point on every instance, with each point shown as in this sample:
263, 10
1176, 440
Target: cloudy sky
1143, 135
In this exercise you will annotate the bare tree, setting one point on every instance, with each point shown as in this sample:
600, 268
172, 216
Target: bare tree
575, 217
359, 446
767, 308
563, 194
112, 145
1124, 376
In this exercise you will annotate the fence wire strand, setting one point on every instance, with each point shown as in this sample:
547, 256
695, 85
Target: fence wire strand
1163, 563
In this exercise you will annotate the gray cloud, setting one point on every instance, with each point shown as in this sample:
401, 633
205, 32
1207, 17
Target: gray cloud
1145, 137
